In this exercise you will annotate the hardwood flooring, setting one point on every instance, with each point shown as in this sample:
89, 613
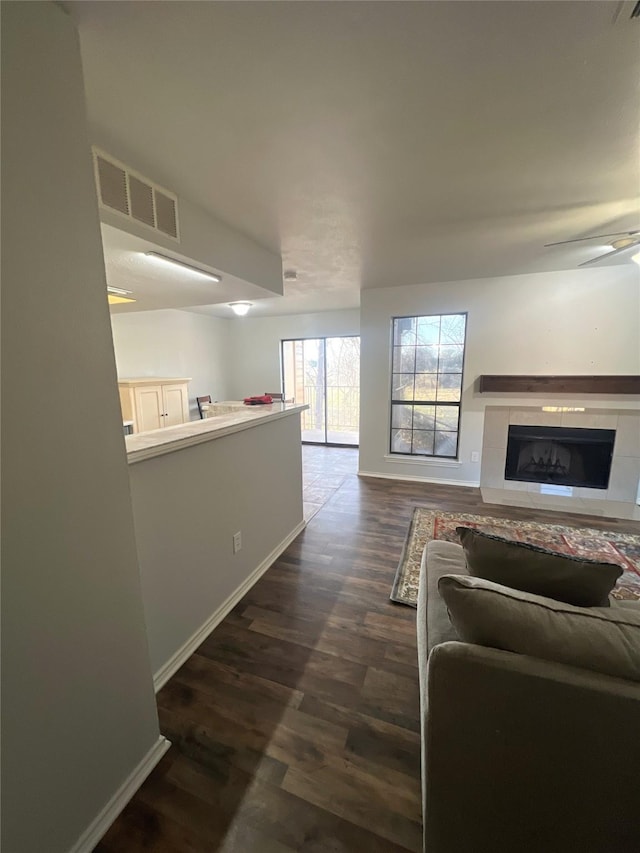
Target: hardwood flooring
295, 725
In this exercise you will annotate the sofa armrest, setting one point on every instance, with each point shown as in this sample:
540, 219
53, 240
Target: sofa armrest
434, 626
527, 755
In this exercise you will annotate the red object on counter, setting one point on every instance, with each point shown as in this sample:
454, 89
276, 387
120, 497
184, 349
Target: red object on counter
264, 400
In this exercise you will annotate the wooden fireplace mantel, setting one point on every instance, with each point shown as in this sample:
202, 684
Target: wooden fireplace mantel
560, 384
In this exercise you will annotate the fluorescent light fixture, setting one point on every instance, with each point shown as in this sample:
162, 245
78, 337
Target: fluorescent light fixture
167, 260
240, 308
117, 295
562, 409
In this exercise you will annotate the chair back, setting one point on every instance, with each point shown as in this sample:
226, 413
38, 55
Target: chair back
200, 401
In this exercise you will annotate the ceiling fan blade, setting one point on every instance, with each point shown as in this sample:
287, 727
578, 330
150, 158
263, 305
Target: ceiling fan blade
593, 237
610, 254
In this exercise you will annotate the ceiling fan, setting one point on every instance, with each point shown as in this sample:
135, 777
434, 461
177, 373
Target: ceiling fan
624, 240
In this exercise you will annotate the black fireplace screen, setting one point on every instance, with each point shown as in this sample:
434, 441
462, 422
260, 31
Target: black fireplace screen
560, 455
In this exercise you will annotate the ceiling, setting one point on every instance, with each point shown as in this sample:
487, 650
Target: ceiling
155, 285
376, 144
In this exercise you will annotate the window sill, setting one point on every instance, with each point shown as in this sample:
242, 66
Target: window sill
422, 460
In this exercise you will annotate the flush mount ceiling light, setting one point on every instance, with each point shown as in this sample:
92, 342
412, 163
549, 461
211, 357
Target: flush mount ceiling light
240, 308
116, 296
623, 243
174, 262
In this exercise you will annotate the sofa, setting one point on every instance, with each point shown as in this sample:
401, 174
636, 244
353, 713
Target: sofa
521, 754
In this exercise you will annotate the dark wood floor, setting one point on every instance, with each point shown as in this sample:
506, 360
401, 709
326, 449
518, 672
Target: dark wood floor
295, 725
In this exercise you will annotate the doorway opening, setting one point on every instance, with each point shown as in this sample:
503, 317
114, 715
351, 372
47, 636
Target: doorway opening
325, 374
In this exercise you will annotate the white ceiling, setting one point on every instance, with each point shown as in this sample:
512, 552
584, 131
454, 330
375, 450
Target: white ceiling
379, 143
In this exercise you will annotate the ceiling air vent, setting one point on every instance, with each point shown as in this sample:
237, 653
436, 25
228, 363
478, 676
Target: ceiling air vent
166, 214
141, 198
134, 196
112, 181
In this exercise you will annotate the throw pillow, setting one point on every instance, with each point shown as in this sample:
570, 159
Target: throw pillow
605, 640
519, 565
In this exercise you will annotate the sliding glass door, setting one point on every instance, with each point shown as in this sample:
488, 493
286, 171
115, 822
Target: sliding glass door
325, 374
304, 381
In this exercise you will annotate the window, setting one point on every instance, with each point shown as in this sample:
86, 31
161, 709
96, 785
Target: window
426, 384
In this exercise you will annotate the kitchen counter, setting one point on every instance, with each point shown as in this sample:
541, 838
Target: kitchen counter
234, 417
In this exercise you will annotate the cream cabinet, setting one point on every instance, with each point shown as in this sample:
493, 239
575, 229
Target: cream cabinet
153, 402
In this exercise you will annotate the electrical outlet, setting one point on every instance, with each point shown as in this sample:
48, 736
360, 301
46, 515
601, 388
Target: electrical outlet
237, 542
475, 456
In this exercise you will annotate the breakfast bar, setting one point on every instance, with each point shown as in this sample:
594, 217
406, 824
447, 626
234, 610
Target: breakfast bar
215, 502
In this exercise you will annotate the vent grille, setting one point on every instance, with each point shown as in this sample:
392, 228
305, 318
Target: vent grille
166, 219
141, 197
133, 196
113, 186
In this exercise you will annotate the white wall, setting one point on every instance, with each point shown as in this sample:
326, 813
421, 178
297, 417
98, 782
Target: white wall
78, 711
571, 322
255, 345
187, 507
175, 343
229, 359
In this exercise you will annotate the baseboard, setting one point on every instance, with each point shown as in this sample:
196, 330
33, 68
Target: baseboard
110, 812
469, 483
174, 663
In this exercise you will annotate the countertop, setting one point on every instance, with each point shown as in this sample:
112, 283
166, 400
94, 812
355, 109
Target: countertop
157, 442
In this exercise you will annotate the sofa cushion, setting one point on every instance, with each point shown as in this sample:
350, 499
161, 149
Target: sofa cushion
519, 565
603, 639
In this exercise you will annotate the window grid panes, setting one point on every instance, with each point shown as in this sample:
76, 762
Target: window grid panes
426, 384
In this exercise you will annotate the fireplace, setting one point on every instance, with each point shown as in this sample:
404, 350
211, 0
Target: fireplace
560, 455
513, 487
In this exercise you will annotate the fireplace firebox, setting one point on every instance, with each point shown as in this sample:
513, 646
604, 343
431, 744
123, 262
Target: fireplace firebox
560, 455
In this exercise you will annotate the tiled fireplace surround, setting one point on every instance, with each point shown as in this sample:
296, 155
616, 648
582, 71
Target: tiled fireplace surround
620, 500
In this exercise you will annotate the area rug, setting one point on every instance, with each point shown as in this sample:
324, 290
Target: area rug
620, 548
